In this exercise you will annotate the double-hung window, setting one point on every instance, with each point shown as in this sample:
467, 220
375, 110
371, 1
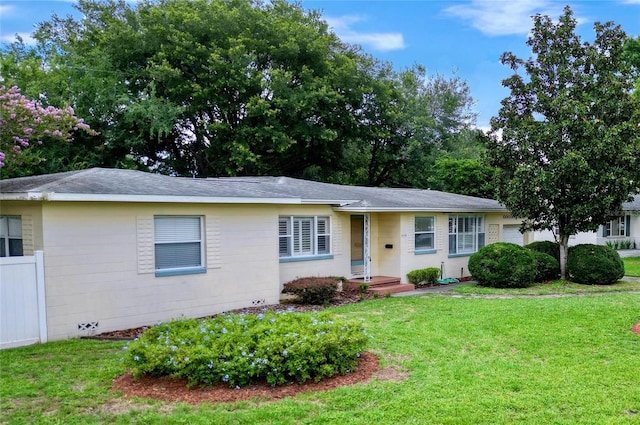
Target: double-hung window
424, 233
178, 245
10, 236
619, 226
304, 236
466, 234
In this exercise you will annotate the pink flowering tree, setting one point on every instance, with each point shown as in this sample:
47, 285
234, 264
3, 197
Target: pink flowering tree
25, 122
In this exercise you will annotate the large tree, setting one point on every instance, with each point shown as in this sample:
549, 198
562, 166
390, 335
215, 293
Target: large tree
566, 140
236, 87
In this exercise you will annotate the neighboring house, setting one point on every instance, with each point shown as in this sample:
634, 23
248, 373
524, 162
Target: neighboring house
126, 248
624, 227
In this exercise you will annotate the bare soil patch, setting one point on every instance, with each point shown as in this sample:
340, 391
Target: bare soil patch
636, 328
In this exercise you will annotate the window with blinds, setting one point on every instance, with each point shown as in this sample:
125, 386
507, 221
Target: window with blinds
424, 233
10, 236
304, 236
466, 234
178, 243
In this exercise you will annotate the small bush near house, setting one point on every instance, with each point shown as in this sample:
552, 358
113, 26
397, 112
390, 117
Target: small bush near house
503, 265
276, 347
546, 247
313, 290
423, 277
622, 244
594, 264
547, 267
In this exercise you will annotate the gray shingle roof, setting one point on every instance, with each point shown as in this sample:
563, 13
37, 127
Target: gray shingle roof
633, 205
115, 184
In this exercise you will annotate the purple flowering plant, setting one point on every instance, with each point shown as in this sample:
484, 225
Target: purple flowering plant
25, 122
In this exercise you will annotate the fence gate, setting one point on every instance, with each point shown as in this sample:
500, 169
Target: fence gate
23, 318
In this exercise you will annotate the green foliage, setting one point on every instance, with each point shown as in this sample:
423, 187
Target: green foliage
463, 176
569, 143
546, 247
594, 264
547, 267
239, 87
276, 347
622, 244
503, 265
313, 290
422, 277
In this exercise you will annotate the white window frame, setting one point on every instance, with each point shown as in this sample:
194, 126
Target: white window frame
175, 239
301, 237
417, 233
466, 234
9, 233
617, 228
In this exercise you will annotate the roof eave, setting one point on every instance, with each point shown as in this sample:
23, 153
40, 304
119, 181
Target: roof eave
417, 209
84, 197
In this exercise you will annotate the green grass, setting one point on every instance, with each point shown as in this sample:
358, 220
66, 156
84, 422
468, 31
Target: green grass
566, 360
632, 266
559, 287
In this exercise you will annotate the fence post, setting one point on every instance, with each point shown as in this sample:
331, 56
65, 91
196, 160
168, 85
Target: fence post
42, 296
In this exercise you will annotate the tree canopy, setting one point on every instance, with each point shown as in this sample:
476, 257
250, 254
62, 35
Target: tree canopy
566, 141
237, 87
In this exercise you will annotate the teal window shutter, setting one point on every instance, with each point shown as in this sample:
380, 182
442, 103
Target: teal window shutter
627, 226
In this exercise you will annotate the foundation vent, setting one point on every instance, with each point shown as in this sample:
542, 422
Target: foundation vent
88, 328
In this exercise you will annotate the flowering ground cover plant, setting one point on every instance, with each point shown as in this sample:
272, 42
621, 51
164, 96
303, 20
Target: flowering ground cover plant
237, 349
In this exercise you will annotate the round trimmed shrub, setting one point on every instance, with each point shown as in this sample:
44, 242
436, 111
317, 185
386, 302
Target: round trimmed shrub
546, 247
547, 267
594, 264
503, 265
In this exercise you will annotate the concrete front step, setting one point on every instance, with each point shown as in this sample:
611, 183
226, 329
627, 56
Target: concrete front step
391, 288
379, 285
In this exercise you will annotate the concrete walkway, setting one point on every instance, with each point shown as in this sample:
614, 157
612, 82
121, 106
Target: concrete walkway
629, 253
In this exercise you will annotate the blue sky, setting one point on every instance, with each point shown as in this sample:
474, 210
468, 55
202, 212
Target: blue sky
464, 36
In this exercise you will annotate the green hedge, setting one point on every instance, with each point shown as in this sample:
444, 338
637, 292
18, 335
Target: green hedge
547, 267
276, 347
313, 290
424, 277
503, 265
594, 264
546, 247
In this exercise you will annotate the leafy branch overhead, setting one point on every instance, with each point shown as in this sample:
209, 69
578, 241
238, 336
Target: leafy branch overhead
566, 141
237, 87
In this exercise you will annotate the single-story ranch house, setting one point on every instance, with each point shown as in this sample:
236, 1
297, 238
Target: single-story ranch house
125, 248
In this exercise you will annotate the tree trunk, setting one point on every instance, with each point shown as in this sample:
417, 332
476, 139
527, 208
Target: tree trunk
564, 252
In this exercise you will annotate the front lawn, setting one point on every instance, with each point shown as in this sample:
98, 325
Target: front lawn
559, 287
452, 360
632, 266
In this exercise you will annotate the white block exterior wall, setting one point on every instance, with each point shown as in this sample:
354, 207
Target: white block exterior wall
94, 271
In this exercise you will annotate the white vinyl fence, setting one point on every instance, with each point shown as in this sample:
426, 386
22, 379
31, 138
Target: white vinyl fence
23, 314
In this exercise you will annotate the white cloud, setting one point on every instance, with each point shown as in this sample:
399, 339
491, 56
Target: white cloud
10, 38
504, 17
376, 40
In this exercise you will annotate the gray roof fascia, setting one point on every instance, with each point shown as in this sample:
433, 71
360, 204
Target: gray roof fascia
88, 197
418, 209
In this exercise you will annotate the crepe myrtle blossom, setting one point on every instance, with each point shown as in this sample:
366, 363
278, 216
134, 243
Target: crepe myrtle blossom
25, 122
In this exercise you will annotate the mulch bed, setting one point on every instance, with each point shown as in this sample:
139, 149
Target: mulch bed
175, 390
